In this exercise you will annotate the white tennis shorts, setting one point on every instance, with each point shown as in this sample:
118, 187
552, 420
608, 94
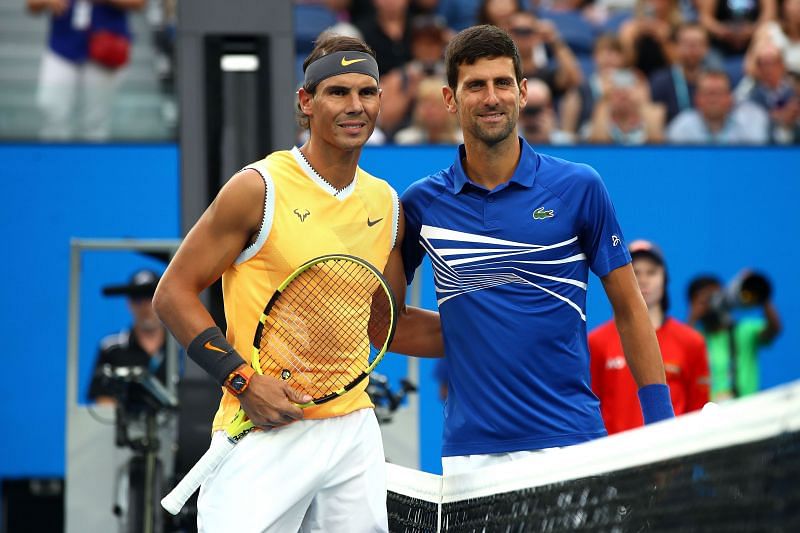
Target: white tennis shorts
462, 464
311, 476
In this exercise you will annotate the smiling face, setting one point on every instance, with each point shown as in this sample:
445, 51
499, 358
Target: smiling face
343, 110
487, 100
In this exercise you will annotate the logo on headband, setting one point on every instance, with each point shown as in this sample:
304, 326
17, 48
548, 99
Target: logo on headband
347, 62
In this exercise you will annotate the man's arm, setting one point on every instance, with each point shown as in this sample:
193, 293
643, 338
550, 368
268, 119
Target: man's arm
639, 343
773, 327
212, 245
419, 331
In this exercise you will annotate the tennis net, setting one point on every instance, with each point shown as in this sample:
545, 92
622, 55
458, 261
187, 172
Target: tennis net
733, 468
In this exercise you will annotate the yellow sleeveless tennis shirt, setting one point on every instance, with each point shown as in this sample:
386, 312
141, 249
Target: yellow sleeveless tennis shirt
304, 218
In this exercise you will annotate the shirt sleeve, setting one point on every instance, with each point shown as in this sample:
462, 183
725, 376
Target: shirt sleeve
412, 250
600, 234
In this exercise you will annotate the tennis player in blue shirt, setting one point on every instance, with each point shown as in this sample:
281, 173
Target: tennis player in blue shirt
512, 235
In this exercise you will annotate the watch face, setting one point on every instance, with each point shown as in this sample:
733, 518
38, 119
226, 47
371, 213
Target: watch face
238, 383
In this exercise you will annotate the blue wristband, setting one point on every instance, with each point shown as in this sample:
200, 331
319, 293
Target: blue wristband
655, 402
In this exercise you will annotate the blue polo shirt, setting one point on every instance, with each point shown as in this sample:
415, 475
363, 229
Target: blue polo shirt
511, 268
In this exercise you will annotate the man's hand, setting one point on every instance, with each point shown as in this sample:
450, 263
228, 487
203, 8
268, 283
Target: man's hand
270, 402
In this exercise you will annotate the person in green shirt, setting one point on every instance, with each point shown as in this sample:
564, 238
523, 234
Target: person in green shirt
709, 312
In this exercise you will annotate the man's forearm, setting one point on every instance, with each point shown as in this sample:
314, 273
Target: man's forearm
641, 349
418, 333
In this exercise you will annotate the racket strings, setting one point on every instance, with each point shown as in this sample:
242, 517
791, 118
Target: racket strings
326, 327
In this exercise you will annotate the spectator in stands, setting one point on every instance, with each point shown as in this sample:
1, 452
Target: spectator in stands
771, 86
647, 37
608, 57
785, 34
732, 24
429, 36
143, 344
88, 47
358, 11
388, 33
536, 39
625, 114
682, 349
736, 356
496, 12
773, 89
674, 87
537, 120
432, 123
716, 120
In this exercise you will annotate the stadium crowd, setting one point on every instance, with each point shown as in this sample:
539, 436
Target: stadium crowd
626, 72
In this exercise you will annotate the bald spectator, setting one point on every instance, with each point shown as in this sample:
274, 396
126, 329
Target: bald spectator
432, 123
716, 120
537, 120
626, 115
772, 88
675, 86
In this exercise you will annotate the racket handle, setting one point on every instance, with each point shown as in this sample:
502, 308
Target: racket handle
175, 500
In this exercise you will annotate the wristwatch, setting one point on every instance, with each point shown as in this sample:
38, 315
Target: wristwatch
239, 379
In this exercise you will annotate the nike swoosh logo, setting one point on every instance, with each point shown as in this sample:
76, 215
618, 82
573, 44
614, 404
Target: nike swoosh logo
347, 62
371, 223
209, 346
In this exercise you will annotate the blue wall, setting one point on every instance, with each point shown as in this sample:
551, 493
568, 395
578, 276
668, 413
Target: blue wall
50, 195
710, 210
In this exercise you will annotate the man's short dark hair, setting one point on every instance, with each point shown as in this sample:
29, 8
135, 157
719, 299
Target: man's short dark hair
700, 283
714, 72
691, 25
328, 43
479, 42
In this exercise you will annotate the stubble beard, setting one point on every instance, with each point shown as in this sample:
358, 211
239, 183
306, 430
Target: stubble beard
491, 137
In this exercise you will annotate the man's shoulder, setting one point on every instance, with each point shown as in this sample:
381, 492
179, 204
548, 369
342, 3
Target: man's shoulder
372, 182
423, 191
560, 175
686, 126
661, 81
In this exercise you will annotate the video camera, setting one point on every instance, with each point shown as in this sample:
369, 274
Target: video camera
137, 390
386, 400
748, 289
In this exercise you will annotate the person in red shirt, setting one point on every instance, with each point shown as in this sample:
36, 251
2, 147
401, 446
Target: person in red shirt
682, 349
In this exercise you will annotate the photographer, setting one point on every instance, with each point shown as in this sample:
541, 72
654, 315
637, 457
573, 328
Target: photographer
733, 344
142, 345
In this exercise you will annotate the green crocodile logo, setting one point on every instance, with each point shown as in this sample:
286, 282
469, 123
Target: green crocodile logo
541, 214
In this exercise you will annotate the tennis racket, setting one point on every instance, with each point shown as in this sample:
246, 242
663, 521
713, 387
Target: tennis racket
323, 331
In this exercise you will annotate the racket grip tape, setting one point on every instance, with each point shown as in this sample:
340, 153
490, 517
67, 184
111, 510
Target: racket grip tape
176, 499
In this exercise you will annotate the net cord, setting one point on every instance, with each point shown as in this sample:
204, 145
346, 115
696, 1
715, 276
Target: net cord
749, 419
